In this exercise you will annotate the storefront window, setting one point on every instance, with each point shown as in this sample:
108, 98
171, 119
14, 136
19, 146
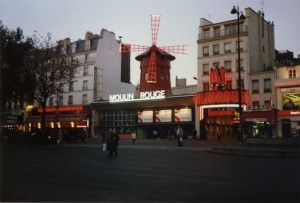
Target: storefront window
121, 120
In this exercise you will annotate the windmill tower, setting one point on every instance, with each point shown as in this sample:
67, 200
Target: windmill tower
155, 61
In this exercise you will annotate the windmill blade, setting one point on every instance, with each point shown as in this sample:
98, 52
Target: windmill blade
152, 68
132, 47
155, 19
177, 49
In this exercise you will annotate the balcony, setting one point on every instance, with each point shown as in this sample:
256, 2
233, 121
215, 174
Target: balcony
229, 31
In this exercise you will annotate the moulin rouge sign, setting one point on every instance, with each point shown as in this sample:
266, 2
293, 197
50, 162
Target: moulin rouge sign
219, 97
218, 93
160, 94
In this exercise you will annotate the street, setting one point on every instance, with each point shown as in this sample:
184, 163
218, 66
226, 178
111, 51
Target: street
155, 171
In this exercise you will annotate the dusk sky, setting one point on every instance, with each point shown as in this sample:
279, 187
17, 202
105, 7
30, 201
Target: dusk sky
180, 20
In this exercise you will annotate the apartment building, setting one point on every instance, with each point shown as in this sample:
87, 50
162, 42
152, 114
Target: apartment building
218, 49
102, 71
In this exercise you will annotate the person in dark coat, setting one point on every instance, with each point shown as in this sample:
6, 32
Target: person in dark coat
113, 143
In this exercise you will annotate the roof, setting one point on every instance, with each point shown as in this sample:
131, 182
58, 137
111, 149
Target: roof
156, 49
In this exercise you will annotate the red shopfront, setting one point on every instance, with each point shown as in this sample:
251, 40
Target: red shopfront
260, 123
63, 117
218, 113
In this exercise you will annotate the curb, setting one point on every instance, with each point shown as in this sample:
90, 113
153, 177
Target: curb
256, 152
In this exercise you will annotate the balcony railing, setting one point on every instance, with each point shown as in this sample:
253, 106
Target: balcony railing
228, 31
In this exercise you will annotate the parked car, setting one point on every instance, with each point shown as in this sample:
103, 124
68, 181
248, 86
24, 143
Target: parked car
74, 134
39, 136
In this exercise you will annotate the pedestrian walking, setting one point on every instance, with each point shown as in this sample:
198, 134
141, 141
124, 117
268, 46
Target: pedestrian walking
179, 134
113, 143
133, 137
59, 137
104, 137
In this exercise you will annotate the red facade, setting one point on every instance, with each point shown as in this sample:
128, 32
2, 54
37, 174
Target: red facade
162, 73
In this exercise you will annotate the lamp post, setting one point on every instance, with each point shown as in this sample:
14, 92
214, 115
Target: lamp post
236, 10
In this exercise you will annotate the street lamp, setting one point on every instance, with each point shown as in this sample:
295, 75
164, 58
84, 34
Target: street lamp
239, 16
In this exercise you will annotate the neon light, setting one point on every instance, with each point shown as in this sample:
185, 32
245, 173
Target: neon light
160, 94
121, 97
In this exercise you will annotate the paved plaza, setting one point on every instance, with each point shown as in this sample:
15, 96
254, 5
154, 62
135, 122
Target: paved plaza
148, 171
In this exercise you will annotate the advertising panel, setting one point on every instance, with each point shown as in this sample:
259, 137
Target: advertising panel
163, 116
182, 115
145, 116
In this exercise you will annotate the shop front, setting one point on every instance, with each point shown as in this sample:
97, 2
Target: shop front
260, 122
218, 113
62, 117
289, 113
151, 115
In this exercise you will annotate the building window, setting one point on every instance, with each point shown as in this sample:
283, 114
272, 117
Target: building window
86, 58
267, 85
237, 45
122, 120
205, 69
70, 100
227, 66
255, 86
205, 87
241, 64
217, 32
229, 85
85, 85
230, 30
74, 48
216, 64
206, 34
242, 84
71, 86
84, 99
206, 51
227, 47
255, 104
60, 100
216, 49
292, 73
268, 104
85, 71
51, 101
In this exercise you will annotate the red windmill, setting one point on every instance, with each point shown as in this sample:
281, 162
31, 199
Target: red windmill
155, 61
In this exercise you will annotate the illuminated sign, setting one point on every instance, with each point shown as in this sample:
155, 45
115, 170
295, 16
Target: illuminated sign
217, 78
182, 115
163, 116
212, 112
160, 94
62, 108
219, 97
145, 116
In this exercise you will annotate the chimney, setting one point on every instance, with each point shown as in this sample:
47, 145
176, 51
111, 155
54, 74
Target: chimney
67, 41
88, 35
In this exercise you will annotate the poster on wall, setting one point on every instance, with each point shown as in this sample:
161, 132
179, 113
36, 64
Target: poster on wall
182, 115
145, 116
163, 116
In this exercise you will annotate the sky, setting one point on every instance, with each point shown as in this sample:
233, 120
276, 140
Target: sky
179, 23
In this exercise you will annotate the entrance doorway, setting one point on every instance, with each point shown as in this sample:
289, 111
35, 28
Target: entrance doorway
286, 128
